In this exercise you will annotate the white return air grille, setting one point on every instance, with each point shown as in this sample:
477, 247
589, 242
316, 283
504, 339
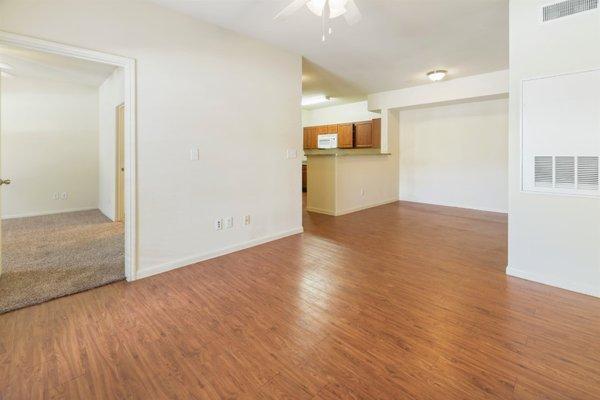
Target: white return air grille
543, 171
566, 8
587, 173
580, 174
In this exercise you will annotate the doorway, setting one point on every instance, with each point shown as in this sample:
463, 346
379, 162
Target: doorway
72, 233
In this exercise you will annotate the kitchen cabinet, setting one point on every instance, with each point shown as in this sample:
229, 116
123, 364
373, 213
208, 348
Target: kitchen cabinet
345, 136
376, 132
304, 178
310, 137
363, 134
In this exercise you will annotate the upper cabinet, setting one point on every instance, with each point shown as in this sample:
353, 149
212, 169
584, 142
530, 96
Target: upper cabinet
345, 136
363, 134
376, 132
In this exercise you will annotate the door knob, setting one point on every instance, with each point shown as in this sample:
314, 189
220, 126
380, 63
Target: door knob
4, 182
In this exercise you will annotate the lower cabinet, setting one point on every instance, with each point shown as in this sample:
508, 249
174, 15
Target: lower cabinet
304, 177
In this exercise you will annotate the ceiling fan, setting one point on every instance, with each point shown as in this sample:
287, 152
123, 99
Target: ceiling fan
326, 9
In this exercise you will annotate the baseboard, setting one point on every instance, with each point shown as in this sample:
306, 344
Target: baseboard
365, 206
554, 281
42, 213
455, 205
320, 211
158, 269
350, 210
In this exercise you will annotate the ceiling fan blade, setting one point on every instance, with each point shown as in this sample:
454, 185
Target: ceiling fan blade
352, 14
291, 8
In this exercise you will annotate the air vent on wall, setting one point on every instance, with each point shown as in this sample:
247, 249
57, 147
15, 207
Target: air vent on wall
587, 173
565, 172
566, 8
543, 171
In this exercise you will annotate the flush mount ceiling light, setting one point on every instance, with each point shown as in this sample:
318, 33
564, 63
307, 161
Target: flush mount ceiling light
308, 101
326, 10
437, 74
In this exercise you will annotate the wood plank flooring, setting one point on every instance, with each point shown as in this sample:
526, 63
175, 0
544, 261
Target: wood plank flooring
403, 301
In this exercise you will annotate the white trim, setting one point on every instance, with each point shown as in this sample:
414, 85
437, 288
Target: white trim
521, 165
590, 290
42, 213
128, 65
158, 269
366, 206
456, 205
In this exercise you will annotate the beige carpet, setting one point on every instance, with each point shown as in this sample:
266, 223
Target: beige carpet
56, 255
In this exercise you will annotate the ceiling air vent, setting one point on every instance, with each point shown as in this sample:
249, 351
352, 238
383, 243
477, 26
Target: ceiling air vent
565, 172
566, 8
543, 171
587, 173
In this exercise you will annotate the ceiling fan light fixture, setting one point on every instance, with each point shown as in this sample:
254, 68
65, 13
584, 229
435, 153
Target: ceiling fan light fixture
437, 74
316, 7
337, 8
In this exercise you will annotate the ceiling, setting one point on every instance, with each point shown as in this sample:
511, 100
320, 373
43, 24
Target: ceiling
41, 65
394, 45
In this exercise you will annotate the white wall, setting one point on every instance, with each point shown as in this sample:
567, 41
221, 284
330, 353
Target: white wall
110, 95
456, 155
552, 239
351, 112
49, 144
197, 86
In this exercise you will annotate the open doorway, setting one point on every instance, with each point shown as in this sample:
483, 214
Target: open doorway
63, 138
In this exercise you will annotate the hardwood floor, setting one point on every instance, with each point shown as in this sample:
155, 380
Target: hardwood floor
403, 301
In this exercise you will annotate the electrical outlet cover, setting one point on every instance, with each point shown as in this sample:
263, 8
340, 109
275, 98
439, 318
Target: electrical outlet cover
218, 224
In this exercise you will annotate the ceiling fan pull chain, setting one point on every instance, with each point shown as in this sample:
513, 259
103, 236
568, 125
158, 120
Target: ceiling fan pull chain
323, 25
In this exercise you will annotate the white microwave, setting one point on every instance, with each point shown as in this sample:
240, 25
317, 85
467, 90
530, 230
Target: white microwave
327, 141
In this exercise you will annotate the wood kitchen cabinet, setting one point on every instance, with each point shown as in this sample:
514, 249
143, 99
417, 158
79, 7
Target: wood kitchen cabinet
351, 135
345, 136
376, 133
310, 137
363, 134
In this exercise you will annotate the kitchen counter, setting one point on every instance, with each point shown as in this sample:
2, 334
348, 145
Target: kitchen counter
345, 152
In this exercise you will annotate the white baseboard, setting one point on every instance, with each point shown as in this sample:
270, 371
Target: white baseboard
350, 210
158, 269
456, 205
42, 213
554, 281
365, 206
320, 211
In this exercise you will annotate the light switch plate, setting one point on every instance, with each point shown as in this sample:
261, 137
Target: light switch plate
292, 153
195, 154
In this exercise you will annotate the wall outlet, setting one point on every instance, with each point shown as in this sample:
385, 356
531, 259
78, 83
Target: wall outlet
363, 192
228, 222
55, 196
218, 224
195, 154
64, 195
247, 220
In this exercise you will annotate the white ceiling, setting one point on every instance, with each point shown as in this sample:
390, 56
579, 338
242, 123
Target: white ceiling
41, 65
392, 47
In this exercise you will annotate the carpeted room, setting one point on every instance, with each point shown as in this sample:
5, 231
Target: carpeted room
62, 229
